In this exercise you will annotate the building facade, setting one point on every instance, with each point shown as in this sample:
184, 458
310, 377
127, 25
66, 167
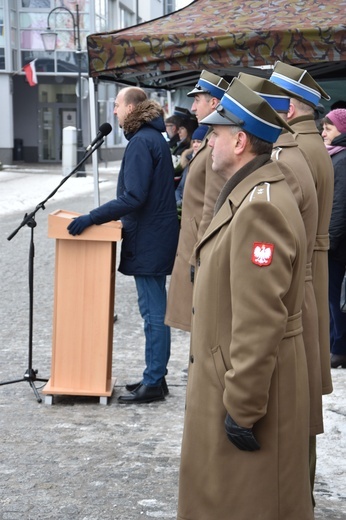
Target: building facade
33, 117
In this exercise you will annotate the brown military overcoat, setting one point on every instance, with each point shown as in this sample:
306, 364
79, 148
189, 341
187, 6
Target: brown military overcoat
247, 358
312, 146
300, 181
201, 190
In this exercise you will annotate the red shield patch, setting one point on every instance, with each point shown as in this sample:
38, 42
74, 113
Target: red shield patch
262, 254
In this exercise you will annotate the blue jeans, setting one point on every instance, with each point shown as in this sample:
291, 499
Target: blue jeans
337, 318
152, 300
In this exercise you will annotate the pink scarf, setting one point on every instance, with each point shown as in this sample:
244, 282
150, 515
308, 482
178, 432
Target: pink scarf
332, 150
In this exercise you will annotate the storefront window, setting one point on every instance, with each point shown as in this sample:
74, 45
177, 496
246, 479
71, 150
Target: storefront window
67, 62
36, 4
63, 62
34, 22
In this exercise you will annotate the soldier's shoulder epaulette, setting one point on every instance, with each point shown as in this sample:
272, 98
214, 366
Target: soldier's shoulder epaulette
260, 192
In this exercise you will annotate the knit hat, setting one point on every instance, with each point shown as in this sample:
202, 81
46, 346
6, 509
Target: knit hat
200, 132
240, 106
338, 118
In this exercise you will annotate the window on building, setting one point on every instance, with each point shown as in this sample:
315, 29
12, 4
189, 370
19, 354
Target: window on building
107, 94
64, 62
2, 37
101, 15
126, 18
36, 4
64, 93
169, 6
33, 21
14, 28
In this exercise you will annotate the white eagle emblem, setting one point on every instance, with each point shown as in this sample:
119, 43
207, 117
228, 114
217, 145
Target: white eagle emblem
262, 253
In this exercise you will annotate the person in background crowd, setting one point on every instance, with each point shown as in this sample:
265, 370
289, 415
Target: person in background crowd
172, 124
185, 131
334, 136
246, 429
146, 205
196, 141
305, 97
201, 190
179, 169
319, 112
340, 103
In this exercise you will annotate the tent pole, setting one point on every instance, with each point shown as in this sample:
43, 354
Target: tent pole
169, 102
93, 126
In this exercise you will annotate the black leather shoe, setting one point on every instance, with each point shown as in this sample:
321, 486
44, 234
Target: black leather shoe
337, 360
132, 386
143, 394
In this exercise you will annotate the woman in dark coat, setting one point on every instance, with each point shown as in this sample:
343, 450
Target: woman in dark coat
334, 136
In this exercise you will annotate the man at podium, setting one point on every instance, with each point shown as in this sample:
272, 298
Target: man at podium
145, 204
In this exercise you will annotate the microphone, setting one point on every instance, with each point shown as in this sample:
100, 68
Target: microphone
104, 130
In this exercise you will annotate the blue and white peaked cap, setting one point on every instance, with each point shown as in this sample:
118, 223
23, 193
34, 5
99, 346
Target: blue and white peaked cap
301, 85
241, 106
277, 97
210, 83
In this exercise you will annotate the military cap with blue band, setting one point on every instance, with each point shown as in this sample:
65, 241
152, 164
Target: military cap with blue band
242, 107
301, 85
210, 83
277, 97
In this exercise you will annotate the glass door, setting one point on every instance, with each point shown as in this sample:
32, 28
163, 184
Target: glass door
48, 141
57, 109
53, 119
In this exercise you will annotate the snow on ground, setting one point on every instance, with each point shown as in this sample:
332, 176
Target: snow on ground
24, 190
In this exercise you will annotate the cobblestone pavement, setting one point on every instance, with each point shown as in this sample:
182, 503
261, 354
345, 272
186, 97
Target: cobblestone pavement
78, 459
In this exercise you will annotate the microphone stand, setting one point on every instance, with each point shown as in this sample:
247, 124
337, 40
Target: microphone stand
29, 220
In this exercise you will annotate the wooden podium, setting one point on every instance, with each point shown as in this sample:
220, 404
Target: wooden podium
83, 309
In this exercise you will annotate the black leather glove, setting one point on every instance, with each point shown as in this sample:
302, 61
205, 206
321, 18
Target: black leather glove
77, 226
242, 438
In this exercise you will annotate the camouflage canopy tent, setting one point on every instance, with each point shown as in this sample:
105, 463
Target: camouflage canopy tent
223, 36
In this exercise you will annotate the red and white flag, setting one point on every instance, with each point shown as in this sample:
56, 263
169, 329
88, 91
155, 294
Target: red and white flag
30, 72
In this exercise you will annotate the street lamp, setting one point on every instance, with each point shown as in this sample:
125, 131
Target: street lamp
49, 39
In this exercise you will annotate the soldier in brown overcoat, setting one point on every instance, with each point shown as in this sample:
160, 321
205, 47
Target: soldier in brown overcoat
300, 181
201, 190
246, 432
305, 96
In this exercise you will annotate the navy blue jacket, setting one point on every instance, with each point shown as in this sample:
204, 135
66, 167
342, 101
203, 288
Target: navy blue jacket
145, 200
